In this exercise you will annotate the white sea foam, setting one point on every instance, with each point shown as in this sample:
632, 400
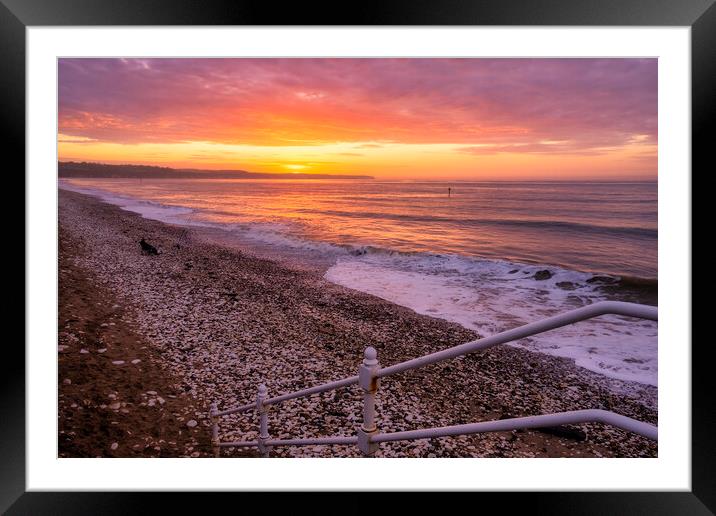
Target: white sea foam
491, 296
148, 209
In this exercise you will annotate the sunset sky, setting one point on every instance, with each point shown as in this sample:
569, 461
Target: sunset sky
390, 118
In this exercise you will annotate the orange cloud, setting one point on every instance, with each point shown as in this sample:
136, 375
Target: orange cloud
477, 116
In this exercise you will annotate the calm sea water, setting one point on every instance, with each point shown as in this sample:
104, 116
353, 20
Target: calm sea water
469, 257
595, 227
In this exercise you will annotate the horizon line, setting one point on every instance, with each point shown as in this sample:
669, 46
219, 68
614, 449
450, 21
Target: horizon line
367, 176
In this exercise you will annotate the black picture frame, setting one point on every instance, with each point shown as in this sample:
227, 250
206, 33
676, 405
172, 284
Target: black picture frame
17, 15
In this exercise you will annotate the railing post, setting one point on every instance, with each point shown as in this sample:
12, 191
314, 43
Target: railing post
263, 420
214, 429
369, 383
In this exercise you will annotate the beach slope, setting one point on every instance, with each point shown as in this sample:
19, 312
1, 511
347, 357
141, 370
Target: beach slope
148, 342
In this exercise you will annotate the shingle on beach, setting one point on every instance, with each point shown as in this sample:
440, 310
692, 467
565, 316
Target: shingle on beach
209, 323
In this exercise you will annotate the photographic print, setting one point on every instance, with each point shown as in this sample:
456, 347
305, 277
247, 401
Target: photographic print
349, 257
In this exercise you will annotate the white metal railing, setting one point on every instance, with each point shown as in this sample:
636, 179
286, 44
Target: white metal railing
370, 372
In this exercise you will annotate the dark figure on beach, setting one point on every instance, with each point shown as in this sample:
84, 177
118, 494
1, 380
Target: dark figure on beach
147, 248
449, 190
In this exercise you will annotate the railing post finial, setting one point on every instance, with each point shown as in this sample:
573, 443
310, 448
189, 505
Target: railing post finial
263, 420
369, 383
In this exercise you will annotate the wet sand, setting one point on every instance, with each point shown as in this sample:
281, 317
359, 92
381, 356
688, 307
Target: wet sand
209, 322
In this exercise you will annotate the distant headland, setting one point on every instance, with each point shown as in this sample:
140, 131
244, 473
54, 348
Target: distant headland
69, 169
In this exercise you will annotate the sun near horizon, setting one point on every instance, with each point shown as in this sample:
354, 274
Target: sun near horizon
409, 118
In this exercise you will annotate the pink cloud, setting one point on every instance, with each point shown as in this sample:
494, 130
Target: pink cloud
509, 103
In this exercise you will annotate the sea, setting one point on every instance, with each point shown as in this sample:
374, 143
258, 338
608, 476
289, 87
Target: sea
474, 253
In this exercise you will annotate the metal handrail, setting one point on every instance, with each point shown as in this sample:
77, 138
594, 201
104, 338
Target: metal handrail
501, 425
551, 323
519, 423
292, 395
370, 372
294, 442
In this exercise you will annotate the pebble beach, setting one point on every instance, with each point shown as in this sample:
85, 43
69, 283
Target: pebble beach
148, 342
